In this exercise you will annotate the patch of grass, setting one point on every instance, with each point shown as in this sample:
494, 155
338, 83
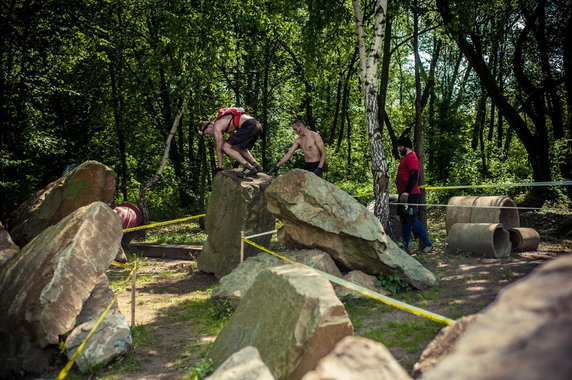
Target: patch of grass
179, 233
141, 336
411, 336
205, 316
358, 308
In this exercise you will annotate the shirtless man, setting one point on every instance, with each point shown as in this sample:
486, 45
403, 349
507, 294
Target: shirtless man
243, 130
311, 144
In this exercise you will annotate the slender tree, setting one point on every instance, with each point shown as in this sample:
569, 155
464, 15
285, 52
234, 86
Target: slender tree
369, 60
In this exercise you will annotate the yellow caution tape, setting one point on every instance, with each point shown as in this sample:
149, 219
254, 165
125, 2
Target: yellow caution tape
162, 223
65, 371
366, 292
127, 266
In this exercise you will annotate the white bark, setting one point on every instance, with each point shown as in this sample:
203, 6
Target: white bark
369, 60
145, 186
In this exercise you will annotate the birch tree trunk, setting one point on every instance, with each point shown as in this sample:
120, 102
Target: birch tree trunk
145, 186
369, 61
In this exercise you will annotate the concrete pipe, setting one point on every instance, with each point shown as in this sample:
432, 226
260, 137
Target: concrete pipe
466, 209
482, 239
523, 239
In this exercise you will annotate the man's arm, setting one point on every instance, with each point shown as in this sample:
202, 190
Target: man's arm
289, 153
321, 148
219, 141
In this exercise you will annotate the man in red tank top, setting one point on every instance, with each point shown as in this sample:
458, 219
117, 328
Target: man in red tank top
243, 130
407, 181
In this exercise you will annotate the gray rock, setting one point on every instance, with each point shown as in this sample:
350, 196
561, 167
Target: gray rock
245, 364
317, 214
87, 183
111, 338
234, 285
364, 280
291, 315
442, 345
7, 247
524, 334
235, 205
44, 287
356, 358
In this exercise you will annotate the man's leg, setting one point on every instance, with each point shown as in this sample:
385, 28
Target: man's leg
250, 158
418, 226
234, 153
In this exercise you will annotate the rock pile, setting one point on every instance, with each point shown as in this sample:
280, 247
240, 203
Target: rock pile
55, 287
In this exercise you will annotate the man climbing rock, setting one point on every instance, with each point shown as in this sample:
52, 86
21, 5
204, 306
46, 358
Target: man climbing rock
311, 144
243, 130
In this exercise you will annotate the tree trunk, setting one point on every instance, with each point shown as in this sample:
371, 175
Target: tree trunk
368, 73
146, 185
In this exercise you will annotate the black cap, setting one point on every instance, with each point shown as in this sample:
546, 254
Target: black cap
405, 141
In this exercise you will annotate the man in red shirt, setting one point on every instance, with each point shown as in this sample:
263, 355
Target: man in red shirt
407, 181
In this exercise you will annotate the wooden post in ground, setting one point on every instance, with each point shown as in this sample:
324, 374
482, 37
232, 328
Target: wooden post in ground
133, 280
241, 246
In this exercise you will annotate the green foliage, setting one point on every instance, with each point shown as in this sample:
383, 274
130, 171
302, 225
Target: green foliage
103, 81
200, 370
391, 282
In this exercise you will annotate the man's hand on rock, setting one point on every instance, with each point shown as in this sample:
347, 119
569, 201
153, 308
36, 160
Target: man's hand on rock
273, 172
318, 172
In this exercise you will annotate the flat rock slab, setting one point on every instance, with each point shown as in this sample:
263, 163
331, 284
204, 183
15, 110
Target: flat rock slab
167, 251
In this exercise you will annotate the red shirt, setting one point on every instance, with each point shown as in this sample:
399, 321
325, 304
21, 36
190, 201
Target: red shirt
408, 163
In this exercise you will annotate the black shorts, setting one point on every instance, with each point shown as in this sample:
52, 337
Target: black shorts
245, 136
311, 166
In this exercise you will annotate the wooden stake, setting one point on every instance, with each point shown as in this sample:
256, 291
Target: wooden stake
133, 279
241, 246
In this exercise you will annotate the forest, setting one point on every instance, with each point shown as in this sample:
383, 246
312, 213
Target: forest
483, 87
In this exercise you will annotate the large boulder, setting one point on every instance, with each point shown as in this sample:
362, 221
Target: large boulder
44, 287
361, 279
7, 247
356, 358
234, 285
235, 205
318, 214
87, 183
111, 338
442, 345
245, 364
524, 334
291, 315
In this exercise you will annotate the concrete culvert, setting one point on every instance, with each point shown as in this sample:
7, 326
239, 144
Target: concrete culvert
524, 239
465, 209
482, 239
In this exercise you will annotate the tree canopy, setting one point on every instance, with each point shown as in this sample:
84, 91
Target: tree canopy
484, 87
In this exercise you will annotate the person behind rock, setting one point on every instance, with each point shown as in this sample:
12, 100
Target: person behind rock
131, 216
243, 130
311, 144
407, 181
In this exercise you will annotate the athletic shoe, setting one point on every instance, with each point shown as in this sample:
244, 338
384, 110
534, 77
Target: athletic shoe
248, 170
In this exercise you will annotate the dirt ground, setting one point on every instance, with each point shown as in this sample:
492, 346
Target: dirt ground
167, 288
